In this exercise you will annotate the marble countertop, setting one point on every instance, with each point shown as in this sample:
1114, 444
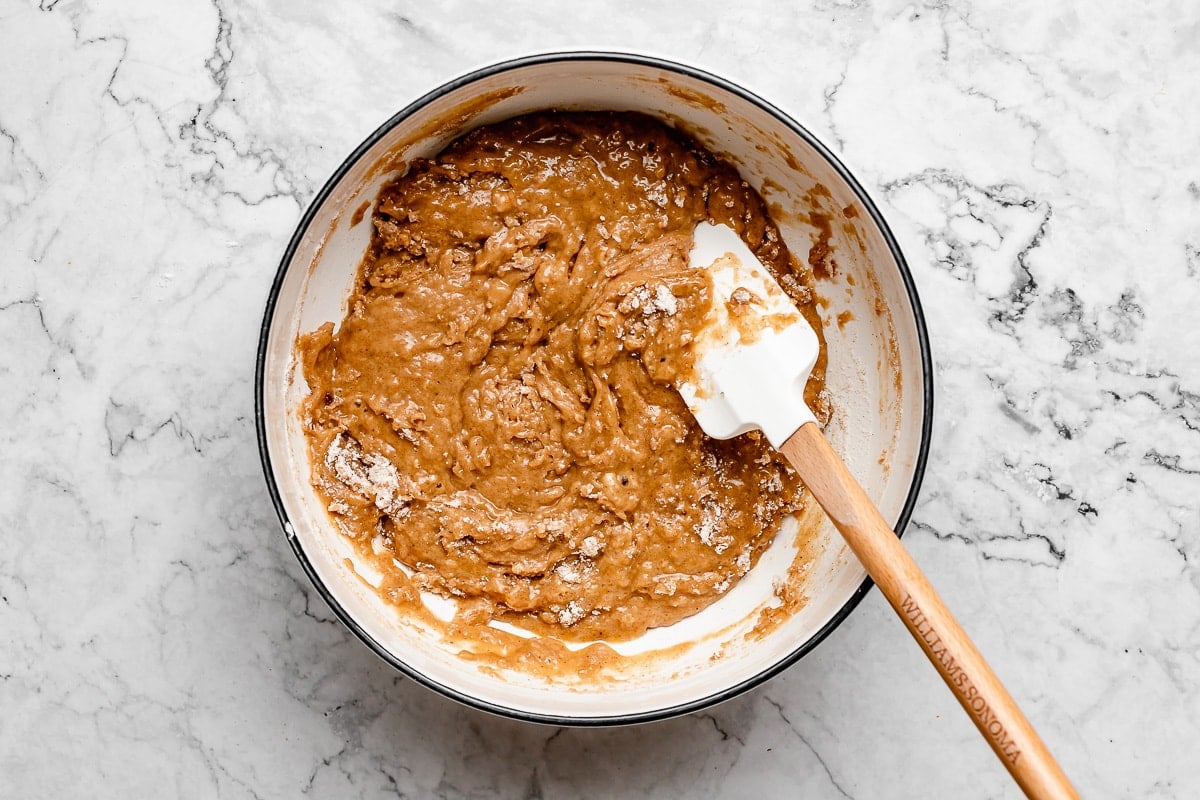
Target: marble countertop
1040, 165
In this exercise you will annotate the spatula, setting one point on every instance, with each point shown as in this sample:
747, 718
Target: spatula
753, 358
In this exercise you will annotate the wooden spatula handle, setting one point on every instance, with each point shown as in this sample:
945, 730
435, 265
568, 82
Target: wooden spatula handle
945, 643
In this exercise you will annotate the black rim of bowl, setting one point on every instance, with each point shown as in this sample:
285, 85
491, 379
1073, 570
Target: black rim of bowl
722, 84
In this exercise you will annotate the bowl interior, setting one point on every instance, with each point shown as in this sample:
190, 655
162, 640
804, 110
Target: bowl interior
876, 375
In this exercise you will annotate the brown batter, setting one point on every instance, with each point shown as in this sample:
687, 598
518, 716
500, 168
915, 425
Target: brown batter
496, 411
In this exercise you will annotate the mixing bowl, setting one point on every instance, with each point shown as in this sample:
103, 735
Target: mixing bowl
879, 376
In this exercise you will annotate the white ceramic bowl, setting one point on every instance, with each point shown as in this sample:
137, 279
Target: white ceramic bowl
879, 376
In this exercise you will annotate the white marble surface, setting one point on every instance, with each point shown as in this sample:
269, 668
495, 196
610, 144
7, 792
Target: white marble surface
1041, 167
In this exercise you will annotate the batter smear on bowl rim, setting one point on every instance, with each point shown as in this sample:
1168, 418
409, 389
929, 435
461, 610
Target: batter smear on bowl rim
493, 420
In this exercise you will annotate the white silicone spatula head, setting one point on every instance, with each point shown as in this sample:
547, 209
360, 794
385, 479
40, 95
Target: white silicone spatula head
755, 351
